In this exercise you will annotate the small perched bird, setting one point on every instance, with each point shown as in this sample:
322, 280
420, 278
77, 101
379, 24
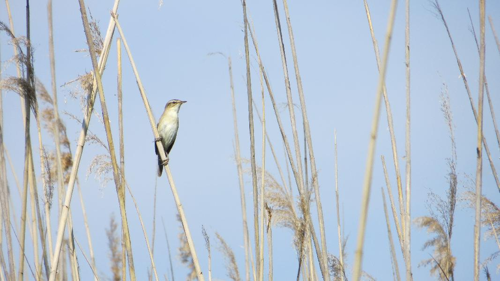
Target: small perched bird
167, 129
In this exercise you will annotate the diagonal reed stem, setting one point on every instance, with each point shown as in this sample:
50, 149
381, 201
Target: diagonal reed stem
492, 110
371, 147
391, 242
240, 175
258, 253
307, 132
161, 150
466, 84
479, 170
79, 151
391, 129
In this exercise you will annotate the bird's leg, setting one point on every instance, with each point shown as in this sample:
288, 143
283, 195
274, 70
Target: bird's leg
165, 162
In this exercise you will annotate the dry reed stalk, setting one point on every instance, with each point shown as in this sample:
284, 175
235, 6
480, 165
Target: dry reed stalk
56, 111
261, 191
143, 228
24, 197
240, 175
162, 154
371, 148
7, 217
339, 232
494, 33
36, 211
308, 265
27, 148
168, 250
87, 228
38, 270
109, 136
82, 203
122, 146
154, 229
288, 153
394, 261
58, 149
299, 175
5, 207
479, 171
409, 274
274, 155
3, 265
466, 84
308, 138
79, 151
492, 110
258, 253
393, 207
269, 231
3, 182
92, 267
35, 199
268, 210
390, 123
291, 107
72, 251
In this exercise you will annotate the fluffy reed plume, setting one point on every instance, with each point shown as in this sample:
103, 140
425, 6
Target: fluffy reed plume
49, 177
336, 268
100, 165
185, 253
207, 245
49, 122
96, 35
281, 201
490, 217
115, 251
231, 265
80, 87
21, 86
442, 261
442, 211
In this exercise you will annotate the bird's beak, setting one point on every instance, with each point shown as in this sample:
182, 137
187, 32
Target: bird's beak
183, 101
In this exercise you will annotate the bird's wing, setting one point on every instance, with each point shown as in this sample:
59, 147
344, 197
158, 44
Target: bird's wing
156, 147
171, 142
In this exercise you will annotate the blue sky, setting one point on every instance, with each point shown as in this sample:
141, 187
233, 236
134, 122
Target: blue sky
171, 46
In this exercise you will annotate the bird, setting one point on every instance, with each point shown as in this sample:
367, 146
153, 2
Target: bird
167, 126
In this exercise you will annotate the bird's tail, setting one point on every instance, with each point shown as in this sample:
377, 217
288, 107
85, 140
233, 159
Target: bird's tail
160, 166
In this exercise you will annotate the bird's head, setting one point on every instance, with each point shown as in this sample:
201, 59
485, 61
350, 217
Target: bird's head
174, 104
